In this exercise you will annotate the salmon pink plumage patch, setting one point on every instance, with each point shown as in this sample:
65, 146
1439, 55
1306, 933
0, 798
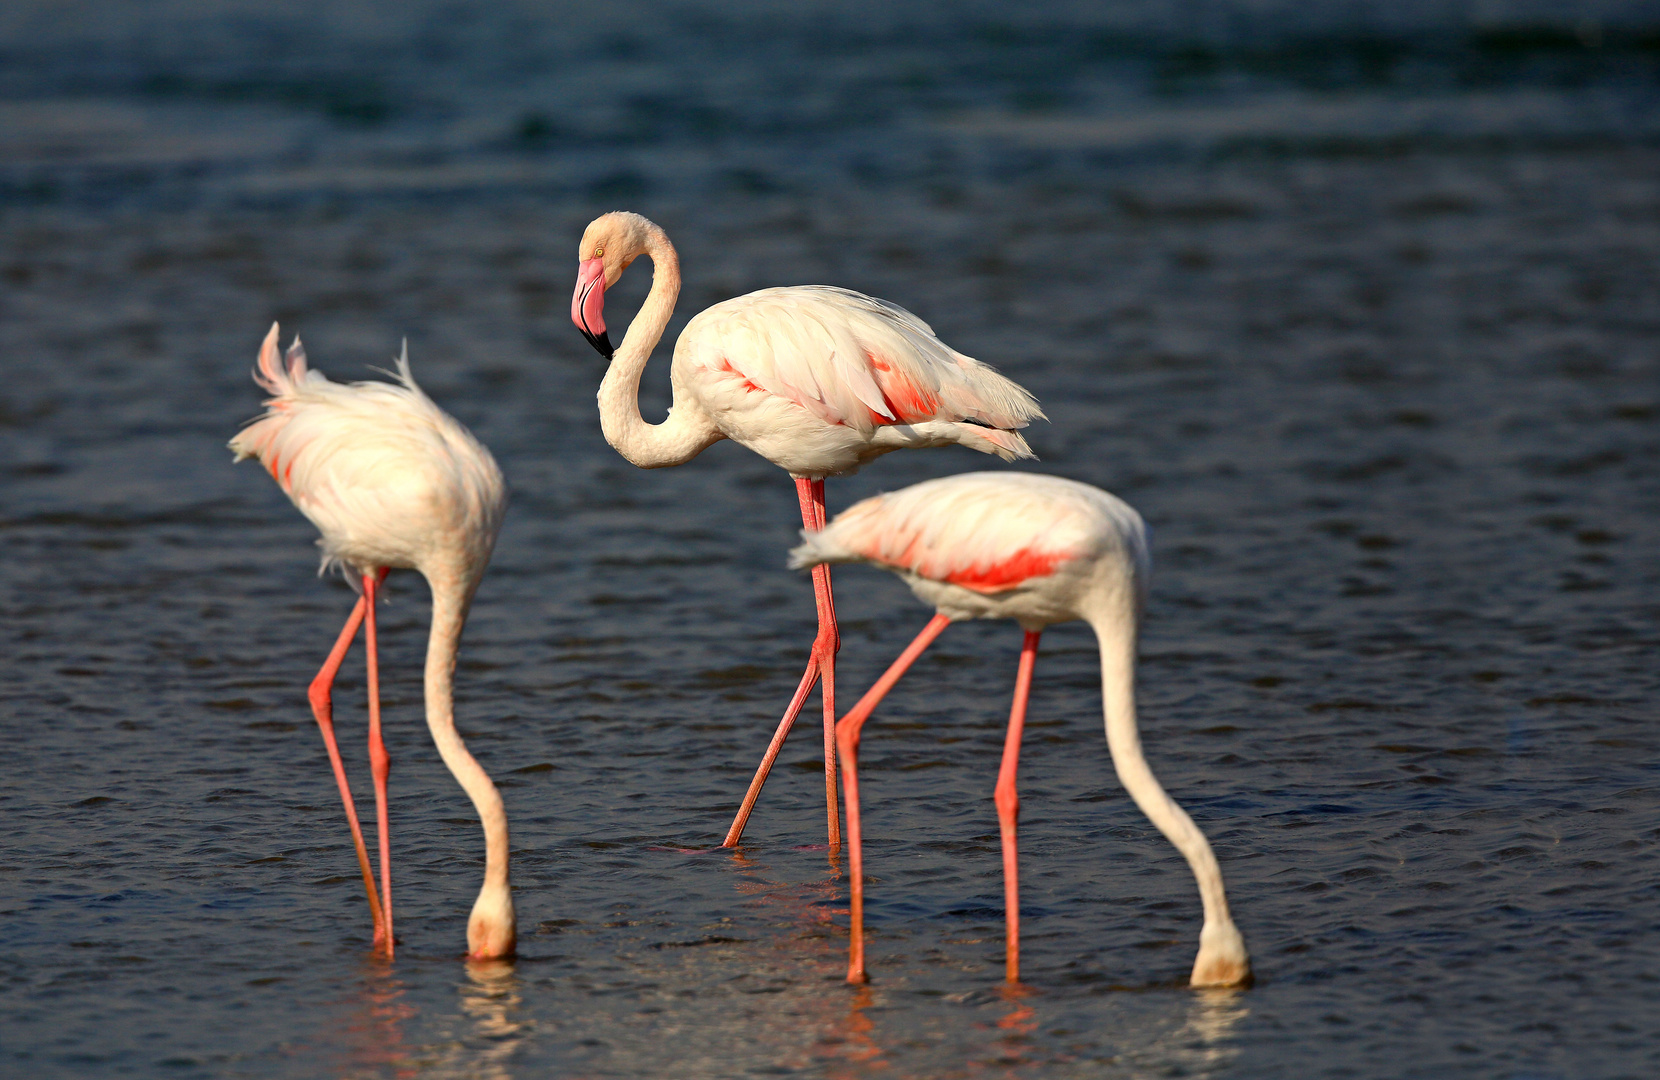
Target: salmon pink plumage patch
1000, 576
908, 402
1020, 567
727, 368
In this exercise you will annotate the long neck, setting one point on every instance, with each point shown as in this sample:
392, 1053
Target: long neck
684, 434
451, 597
1114, 622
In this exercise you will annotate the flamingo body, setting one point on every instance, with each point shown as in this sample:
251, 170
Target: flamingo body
817, 380
1039, 550
994, 545
391, 481
389, 478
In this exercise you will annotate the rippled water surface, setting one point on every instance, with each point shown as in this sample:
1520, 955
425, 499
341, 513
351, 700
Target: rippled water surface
1358, 307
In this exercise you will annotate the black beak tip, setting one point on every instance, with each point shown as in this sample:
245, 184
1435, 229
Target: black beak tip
601, 342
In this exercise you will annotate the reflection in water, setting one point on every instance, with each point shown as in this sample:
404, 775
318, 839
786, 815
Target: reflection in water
1018, 1024
848, 1043
809, 906
1183, 1036
491, 999
1159, 1034
837, 1036
811, 1019
1202, 1046
477, 1044
375, 1033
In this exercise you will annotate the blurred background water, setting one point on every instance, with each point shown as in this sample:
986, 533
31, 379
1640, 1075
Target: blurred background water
1355, 302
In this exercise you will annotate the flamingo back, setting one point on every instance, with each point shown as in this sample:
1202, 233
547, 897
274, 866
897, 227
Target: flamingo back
852, 359
387, 477
985, 532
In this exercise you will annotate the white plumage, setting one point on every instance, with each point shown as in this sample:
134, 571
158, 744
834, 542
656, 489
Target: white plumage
991, 545
1040, 550
388, 478
850, 361
817, 380
391, 481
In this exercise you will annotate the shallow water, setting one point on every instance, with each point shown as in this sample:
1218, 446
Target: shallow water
1358, 310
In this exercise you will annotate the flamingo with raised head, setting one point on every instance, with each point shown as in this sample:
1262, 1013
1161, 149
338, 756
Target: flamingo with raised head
817, 380
392, 482
1039, 550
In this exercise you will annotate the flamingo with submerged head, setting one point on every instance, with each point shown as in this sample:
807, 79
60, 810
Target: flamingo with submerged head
392, 482
1039, 550
817, 380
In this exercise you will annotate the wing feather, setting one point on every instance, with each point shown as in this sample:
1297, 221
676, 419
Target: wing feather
985, 531
852, 359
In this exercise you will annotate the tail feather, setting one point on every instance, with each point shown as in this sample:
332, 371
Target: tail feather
811, 551
277, 374
296, 360
1007, 445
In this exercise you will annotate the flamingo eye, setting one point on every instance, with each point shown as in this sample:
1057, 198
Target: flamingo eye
599, 252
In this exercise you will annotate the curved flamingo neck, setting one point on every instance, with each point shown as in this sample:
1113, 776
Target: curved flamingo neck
452, 595
685, 433
1113, 617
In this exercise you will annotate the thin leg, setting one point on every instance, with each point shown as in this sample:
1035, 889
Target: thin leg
1008, 803
380, 763
322, 708
808, 679
847, 739
826, 646
821, 662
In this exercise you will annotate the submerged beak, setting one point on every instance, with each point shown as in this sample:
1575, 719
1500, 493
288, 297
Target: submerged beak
588, 305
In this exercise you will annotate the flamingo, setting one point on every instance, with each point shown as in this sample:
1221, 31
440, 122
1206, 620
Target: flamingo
817, 380
391, 481
1039, 550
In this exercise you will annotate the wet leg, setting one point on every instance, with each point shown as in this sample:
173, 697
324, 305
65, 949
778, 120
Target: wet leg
808, 680
847, 740
1008, 803
322, 708
380, 763
825, 648
810, 493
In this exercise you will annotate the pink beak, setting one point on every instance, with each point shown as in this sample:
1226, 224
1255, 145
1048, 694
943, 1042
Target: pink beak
588, 305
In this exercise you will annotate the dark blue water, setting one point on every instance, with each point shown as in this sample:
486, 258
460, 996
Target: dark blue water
1358, 305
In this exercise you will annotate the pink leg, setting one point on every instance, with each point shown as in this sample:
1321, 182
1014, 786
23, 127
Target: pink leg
847, 738
322, 708
826, 646
380, 763
822, 662
1008, 803
808, 679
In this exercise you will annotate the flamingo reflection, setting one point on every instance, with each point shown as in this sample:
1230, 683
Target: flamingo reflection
850, 1044
375, 1028
491, 997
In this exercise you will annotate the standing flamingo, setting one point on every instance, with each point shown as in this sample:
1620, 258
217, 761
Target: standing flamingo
815, 379
391, 481
1039, 550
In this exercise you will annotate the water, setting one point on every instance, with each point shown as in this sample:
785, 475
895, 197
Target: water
1356, 305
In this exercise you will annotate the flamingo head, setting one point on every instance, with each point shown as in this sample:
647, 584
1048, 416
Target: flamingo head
609, 244
492, 928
